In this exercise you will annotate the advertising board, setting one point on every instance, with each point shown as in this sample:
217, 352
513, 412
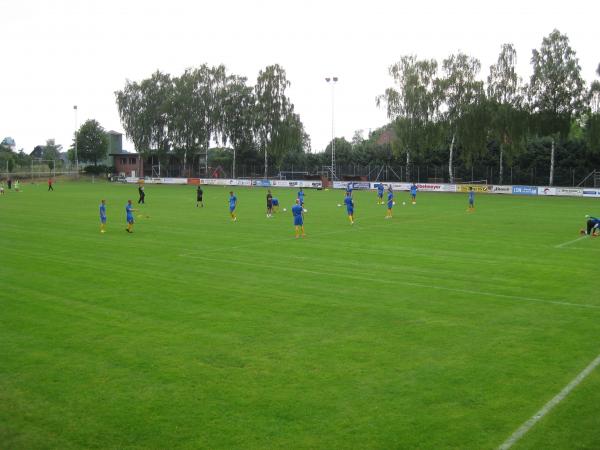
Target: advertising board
525, 190
496, 189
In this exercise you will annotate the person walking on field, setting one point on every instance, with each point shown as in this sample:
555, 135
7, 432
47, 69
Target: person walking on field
199, 194
50, 181
142, 195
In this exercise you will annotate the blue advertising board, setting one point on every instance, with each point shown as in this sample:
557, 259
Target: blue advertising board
525, 190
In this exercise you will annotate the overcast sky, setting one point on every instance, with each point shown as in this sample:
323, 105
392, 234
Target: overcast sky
61, 53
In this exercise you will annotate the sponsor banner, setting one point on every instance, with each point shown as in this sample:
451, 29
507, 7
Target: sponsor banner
468, 187
525, 190
500, 189
546, 190
569, 192
193, 181
134, 180
174, 180
591, 192
361, 185
262, 183
340, 184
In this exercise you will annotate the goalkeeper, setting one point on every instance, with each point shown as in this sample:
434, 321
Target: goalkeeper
592, 226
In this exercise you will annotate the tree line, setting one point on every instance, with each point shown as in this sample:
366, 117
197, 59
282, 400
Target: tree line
207, 106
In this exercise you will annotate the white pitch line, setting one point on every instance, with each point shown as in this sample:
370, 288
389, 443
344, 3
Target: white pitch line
548, 406
564, 244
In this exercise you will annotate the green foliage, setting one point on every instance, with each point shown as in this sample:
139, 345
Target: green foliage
97, 169
92, 142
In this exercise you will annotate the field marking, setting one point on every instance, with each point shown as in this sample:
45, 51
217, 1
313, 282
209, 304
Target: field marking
523, 429
564, 244
355, 276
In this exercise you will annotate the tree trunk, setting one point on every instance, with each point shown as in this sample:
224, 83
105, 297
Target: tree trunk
408, 166
551, 181
451, 175
233, 169
501, 164
266, 164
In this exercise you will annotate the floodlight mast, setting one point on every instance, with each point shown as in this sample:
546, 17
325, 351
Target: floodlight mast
332, 80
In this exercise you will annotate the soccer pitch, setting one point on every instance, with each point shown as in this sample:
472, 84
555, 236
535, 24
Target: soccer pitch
436, 329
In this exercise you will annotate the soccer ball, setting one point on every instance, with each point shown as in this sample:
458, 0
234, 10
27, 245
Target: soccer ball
339, 204
403, 203
305, 210
284, 209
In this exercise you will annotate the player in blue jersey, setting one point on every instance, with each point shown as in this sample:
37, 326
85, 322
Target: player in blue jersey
380, 189
349, 188
413, 193
275, 204
102, 216
298, 214
592, 226
471, 199
349, 207
301, 197
129, 212
232, 206
390, 204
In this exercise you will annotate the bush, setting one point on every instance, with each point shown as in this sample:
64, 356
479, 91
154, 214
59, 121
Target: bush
96, 170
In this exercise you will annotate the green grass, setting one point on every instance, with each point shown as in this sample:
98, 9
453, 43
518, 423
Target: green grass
436, 329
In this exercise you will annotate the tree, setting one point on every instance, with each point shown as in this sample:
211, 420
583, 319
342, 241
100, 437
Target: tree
271, 111
508, 120
556, 89
92, 142
461, 91
51, 152
413, 105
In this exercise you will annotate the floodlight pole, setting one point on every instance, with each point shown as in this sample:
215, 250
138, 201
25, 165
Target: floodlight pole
76, 158
332, 80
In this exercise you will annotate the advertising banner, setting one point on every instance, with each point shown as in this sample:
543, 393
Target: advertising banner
591, 192
500, 189
468, 187
262, 183
174, 180
569, 192
546, 190
525, 190
193, 181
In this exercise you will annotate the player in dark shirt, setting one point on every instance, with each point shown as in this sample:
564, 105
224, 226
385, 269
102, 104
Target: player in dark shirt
199, 197
142, 194
269, 204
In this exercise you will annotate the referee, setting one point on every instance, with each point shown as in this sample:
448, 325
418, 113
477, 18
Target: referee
199, 197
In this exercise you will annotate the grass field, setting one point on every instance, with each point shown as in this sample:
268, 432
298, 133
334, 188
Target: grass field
436, 329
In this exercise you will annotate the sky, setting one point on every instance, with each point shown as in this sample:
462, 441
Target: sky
61, 53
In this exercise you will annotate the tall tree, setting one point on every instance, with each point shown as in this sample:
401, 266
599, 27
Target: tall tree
461, 92
508, 120
413, 103
556, 89
92, 142
51, 152
271, 110
238, 116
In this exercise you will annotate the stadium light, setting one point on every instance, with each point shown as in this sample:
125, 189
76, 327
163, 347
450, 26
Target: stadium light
76, 158
332, 80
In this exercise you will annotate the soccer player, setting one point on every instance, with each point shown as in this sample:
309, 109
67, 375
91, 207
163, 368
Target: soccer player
17, 186
380, 194
298, 213
413, 193
349, 207
232, 205
349, 188
50, 181
1, 188
275, 204
269, 204
102, 216
471, 199
129, 215
592, 226
199, 197
301, 197
9, 183
142, 195
390, 203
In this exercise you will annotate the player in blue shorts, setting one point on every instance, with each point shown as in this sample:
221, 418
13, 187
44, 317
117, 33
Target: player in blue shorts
275, 204
349, 207
413, 193
129, 211
298, 214
102, 216
301, 197
232, 205
390, 203
592, 226
471, 199
380, 188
